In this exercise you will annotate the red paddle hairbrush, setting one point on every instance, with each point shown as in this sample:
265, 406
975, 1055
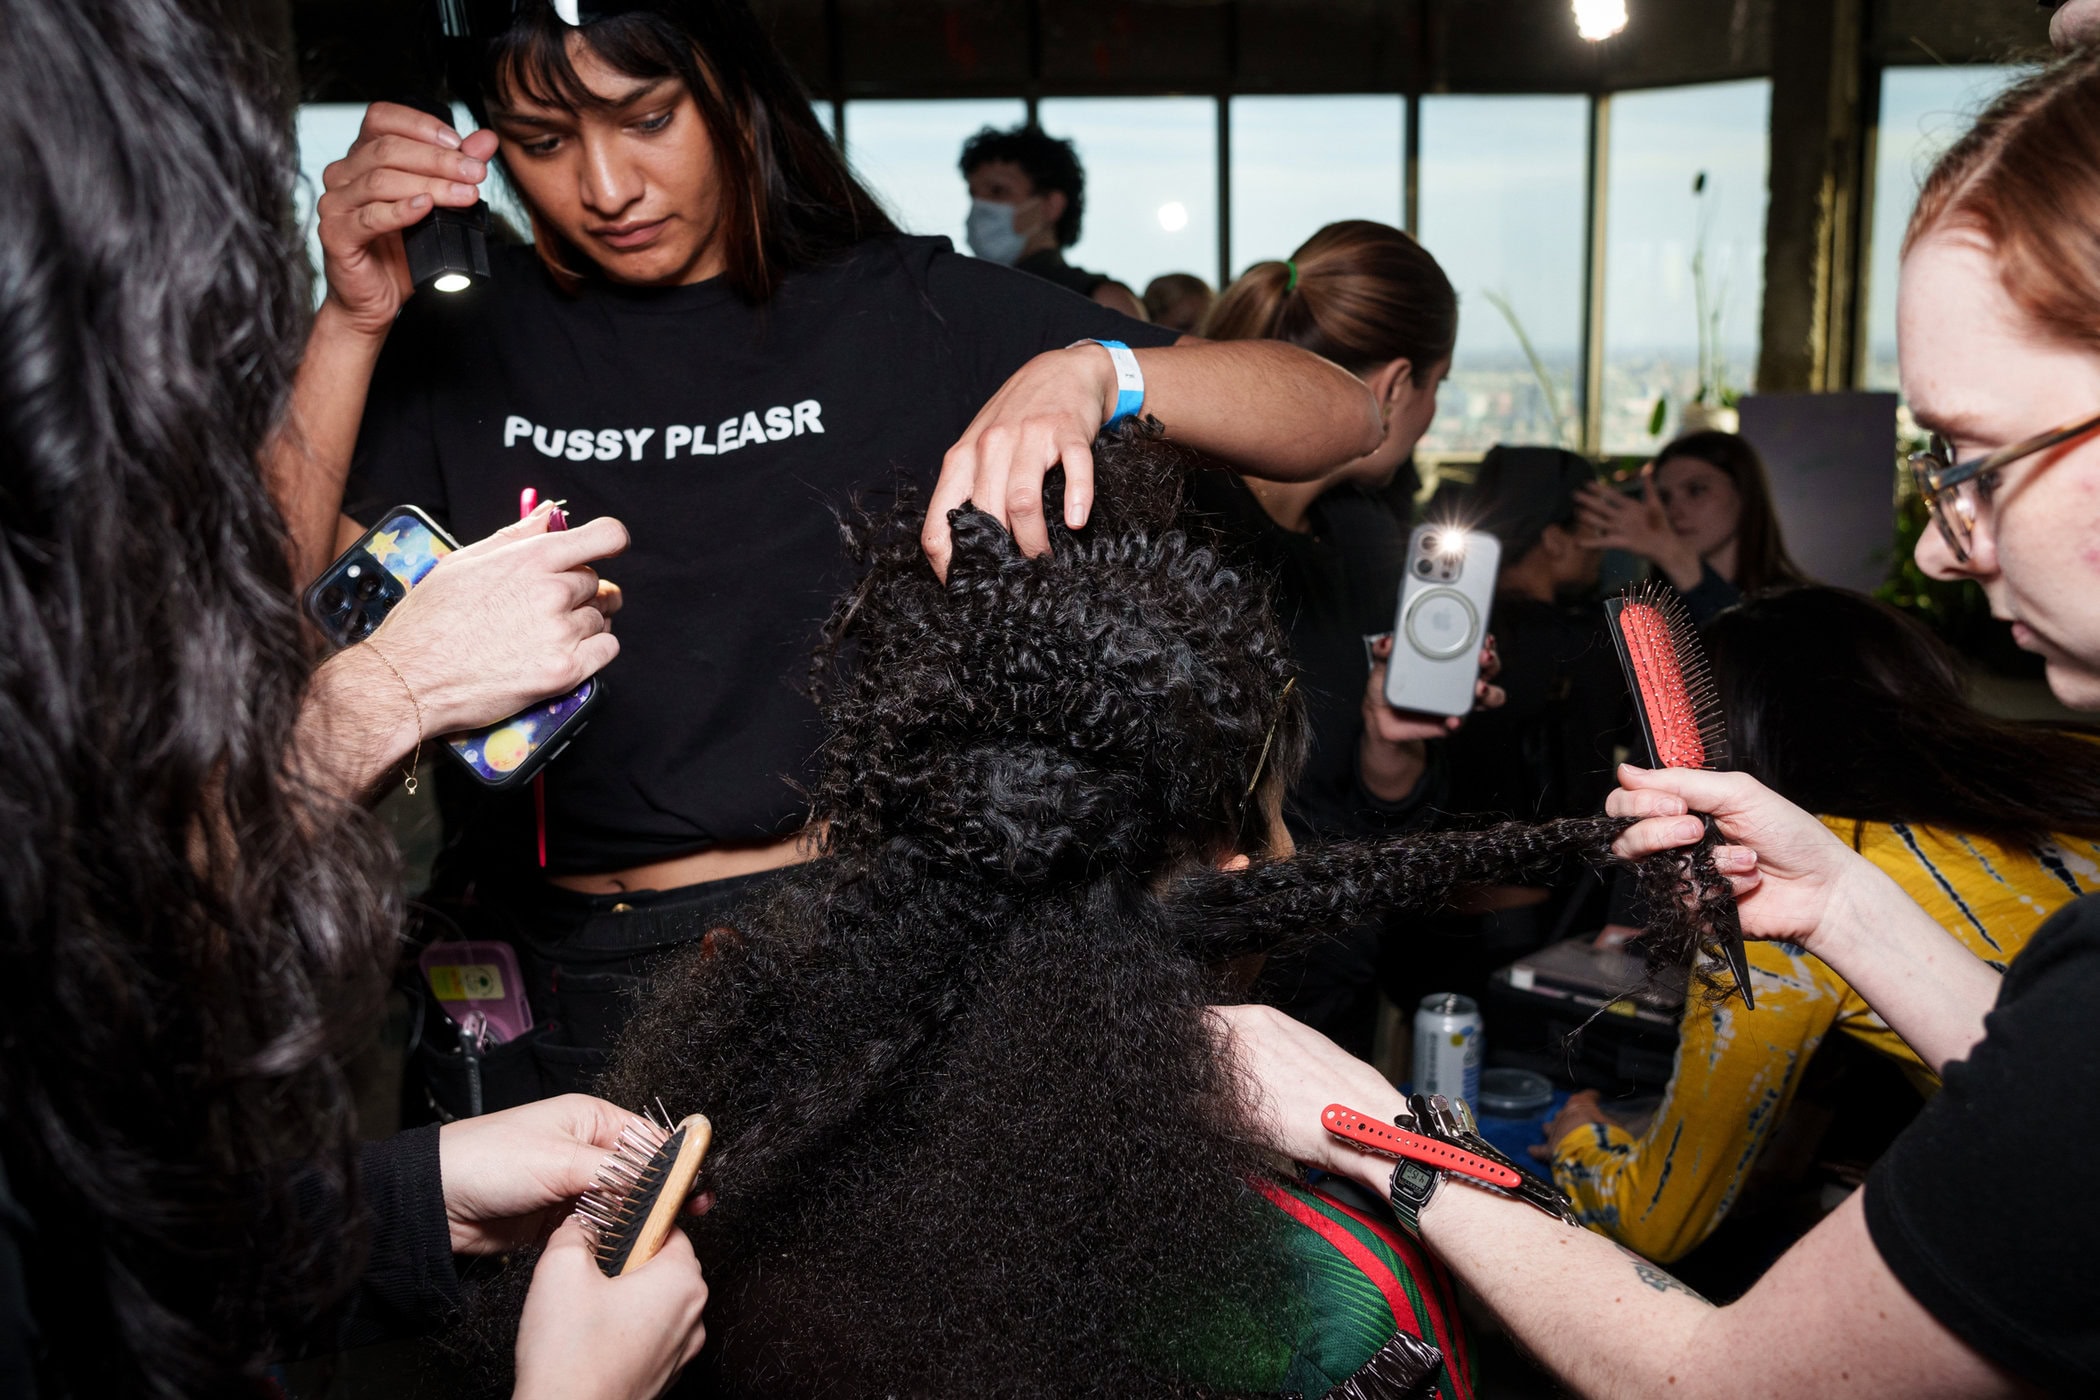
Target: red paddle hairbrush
1679, 709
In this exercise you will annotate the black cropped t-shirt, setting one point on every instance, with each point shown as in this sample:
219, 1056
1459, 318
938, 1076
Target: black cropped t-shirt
724, 435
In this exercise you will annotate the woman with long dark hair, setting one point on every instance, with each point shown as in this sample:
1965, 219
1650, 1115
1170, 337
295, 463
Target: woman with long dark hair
194, 931
719, 337
1704, 520
1857, 713
972, 1137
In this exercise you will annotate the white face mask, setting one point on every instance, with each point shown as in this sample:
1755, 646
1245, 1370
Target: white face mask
992, 234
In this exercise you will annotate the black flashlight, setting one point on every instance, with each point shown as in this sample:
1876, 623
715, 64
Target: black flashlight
448, 249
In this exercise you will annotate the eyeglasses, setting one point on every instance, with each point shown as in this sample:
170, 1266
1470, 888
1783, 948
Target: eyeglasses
1956, 492
486, 19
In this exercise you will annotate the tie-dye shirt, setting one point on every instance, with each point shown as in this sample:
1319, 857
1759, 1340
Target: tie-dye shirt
1737, 1070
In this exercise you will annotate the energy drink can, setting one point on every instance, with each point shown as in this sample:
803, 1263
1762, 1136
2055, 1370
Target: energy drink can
1448, 1047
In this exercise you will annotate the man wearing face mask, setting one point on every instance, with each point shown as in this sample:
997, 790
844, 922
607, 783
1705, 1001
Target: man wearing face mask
1027, 192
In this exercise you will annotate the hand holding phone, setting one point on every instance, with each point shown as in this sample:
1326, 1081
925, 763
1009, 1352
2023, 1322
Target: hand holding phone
1441, 623
483, 635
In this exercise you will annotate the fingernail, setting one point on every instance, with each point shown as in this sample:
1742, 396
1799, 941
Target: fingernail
448, 138
472, 169
1691, 830
1633, 768
460, 191
418, 201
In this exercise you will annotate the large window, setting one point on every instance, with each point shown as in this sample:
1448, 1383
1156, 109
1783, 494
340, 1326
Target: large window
1299, 163
1151, 183
1923, 110
907, 153
1503, 201
1684, 252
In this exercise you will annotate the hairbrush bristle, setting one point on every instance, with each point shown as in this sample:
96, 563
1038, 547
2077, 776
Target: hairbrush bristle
1672, 684
625, 1209
1679, 707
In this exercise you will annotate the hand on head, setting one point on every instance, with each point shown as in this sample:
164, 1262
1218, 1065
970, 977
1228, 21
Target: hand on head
1045, 416
1609, 519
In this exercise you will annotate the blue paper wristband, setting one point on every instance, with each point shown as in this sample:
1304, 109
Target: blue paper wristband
1130, 380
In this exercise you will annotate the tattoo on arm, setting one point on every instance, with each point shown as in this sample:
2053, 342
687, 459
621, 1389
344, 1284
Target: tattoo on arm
1659, 1279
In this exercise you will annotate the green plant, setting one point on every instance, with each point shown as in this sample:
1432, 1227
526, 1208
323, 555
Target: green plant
1563, 430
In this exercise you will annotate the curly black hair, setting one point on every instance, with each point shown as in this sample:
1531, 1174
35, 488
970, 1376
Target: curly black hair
1049, 162
189, 935
972, 1134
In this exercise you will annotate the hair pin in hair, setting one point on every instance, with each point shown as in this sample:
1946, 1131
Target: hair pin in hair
1268, 740
1679, 709
633, 1202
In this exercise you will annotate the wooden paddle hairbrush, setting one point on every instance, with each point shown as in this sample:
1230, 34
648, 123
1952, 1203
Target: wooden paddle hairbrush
1679, 709
633, 1203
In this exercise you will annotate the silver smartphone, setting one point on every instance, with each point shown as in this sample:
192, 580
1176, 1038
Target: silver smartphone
1442, 620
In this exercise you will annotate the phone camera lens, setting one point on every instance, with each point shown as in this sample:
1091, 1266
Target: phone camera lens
364, 627
367, 586
1424, 567
333, 599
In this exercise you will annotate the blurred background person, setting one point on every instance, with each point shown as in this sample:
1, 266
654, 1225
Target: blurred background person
1704, 520
1027, 195
1858, 713
1371, 299
1548, 750
1178, 301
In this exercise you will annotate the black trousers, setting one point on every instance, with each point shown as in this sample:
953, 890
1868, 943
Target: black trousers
588, 963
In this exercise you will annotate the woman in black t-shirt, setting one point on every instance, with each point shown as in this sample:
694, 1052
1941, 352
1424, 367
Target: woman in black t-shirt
719, 338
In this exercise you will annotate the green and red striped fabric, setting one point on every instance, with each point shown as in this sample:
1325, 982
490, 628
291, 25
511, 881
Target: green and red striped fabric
1365, 1280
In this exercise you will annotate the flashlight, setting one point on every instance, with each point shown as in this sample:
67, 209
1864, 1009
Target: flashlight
449, 248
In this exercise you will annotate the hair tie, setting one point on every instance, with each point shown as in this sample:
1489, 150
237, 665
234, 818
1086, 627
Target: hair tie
1292, 268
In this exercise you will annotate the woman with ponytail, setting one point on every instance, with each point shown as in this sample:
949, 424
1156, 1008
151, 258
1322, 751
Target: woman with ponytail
1372, 300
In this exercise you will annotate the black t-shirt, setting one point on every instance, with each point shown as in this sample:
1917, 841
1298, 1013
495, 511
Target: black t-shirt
1982, 1209
1332, 586
724, 435
1050, 265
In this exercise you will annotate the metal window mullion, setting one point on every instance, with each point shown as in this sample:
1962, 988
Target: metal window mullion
1593, 288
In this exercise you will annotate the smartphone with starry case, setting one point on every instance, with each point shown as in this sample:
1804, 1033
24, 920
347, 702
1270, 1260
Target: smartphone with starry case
355, 593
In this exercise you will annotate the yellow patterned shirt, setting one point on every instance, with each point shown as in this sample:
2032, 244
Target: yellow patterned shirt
1737, 1070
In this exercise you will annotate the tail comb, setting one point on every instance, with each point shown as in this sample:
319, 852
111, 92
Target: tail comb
1679, 708
633, 1203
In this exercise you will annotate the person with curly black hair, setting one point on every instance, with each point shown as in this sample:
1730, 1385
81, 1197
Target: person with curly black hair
1027, 197
972, 1136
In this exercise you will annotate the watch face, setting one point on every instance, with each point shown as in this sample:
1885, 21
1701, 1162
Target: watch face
1413, 1178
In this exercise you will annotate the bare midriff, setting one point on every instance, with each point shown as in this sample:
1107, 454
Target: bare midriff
723, 862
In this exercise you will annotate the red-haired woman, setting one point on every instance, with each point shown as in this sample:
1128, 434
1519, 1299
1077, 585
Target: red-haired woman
1963, 1266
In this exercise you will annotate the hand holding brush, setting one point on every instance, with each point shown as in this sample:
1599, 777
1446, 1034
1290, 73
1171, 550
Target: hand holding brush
1794, 880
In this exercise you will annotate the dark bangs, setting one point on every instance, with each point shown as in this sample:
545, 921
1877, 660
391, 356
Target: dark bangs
532, 60
788, 200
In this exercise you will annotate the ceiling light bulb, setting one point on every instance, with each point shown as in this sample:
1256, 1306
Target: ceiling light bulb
1597, 20
1173, 216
